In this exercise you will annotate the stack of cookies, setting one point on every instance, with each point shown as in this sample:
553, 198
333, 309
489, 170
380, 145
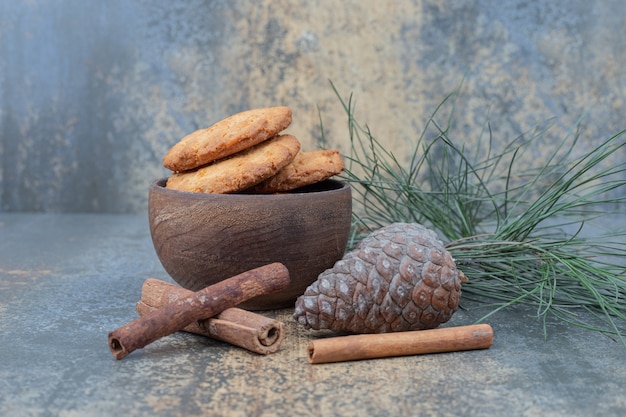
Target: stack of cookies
247, 152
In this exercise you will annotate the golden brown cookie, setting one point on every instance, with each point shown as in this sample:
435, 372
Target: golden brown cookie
306, 168
227, 137
240, 171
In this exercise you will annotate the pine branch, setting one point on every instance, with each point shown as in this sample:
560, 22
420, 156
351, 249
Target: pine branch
504, 222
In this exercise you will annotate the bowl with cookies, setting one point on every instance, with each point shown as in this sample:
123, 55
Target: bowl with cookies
243, 194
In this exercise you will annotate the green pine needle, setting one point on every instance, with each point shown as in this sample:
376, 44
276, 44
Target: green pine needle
504, 222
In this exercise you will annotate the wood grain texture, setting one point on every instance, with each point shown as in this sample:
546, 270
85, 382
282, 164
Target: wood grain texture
202, 239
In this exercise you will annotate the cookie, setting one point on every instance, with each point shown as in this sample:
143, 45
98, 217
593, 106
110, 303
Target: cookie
240, 171
227, 137
306, 168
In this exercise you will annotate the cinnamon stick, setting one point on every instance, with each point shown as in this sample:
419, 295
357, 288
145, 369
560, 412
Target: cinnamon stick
371, 346
202, 304
238, 327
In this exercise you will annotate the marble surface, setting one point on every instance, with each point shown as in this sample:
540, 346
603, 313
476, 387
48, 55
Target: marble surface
93, 93
67, 280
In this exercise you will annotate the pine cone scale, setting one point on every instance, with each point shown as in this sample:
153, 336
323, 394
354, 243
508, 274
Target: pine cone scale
422, 296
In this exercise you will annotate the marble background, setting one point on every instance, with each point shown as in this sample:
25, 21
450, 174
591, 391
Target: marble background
93, 93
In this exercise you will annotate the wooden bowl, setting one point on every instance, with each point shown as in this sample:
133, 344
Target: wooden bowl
202, 239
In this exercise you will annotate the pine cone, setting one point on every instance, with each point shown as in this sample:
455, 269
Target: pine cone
398, 278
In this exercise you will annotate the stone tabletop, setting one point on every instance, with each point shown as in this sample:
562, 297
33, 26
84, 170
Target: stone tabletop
67, 280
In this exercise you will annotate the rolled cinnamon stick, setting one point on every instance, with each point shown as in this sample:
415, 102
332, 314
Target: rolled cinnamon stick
371, 346
238, 327
202, 304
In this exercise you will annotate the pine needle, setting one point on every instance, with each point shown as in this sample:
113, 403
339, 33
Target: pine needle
504, 223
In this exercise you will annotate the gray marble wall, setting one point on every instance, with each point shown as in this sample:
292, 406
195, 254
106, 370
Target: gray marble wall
93, 93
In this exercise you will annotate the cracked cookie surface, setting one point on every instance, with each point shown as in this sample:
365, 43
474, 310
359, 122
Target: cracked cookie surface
227, 137
240, 171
